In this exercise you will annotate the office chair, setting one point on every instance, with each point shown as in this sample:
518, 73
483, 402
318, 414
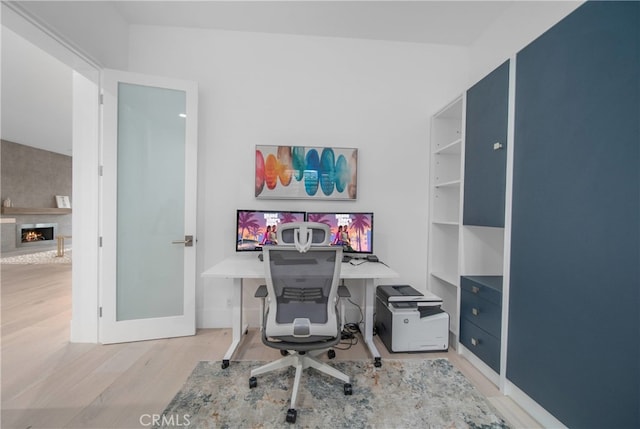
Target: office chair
301, 316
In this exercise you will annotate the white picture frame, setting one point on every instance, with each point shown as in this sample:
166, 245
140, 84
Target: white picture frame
63, 202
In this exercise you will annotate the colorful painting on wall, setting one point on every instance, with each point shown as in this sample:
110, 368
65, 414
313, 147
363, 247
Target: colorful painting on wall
306, 172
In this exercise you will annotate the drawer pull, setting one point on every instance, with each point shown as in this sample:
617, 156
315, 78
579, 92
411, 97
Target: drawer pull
475, 289
475, 311
475, 342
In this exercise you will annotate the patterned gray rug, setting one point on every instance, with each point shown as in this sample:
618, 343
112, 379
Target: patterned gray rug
413, 393
46, 257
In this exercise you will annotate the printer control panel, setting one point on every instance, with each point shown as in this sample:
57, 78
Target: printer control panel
404, 305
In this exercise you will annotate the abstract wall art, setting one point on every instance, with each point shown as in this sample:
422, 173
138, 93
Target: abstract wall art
302, 172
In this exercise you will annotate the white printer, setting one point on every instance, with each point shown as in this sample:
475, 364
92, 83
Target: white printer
409, 321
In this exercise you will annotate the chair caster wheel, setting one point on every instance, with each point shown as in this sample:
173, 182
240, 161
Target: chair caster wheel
284, 353
347, 389
291, 415
377, 362
331, 353
225, 363
253, 382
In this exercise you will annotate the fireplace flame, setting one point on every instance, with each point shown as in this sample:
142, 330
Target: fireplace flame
33, 236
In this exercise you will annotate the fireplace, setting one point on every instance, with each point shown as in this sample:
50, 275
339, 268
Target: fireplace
31, 234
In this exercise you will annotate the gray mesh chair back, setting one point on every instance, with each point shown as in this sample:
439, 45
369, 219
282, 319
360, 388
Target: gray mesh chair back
302, 275
303, 290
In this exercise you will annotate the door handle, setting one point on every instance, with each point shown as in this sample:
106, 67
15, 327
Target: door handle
188, 241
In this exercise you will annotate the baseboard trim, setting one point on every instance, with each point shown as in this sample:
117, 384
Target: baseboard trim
546, 419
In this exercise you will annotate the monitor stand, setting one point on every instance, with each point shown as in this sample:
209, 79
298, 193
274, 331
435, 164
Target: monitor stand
368, 258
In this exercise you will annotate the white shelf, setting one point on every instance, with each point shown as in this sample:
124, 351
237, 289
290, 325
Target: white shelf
446, 223
448, 278
34, 211
446, 167
445, 202
453, 148
455, 182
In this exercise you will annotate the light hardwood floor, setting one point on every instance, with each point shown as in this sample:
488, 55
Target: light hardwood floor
48, 382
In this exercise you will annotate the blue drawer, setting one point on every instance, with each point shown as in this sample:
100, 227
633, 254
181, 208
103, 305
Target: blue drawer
480, 343
481, 312
486, 287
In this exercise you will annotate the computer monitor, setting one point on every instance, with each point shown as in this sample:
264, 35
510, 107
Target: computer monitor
255, 228
352, 231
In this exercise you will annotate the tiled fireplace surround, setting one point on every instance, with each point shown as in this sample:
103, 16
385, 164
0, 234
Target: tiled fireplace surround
32, 178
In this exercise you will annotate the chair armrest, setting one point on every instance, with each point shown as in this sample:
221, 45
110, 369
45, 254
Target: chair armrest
261, 292
343, 292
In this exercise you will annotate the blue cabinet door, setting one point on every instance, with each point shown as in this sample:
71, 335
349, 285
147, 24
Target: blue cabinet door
574, 295
485, 149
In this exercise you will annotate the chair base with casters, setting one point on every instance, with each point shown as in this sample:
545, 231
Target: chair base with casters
300, 360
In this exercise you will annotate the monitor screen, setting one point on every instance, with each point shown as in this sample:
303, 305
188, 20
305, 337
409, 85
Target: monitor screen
353, 231
255, 228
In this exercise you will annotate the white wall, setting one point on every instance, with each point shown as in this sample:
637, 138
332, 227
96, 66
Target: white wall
312, 91
515, 28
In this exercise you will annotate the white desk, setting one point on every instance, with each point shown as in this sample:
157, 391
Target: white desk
248, 266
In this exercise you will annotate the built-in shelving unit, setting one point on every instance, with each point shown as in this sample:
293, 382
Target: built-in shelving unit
34, 210
467, 210
512, 252
447, 147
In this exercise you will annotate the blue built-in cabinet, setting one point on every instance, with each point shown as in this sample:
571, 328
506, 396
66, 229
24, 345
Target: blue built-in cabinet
574, 293
483, 215
485, 152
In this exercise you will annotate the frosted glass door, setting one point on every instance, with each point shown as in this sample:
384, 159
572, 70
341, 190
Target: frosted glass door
151, 136
149, 183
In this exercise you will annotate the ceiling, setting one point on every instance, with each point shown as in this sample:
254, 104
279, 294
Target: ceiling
447, 22
36, 96
36, 88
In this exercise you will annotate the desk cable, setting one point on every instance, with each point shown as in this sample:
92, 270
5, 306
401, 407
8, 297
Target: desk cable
349, 330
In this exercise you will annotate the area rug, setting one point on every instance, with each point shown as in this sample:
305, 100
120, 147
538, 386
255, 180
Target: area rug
412, 393
46, 257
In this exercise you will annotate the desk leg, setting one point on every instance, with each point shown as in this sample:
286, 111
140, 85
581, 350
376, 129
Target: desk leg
236, 322
369, 294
